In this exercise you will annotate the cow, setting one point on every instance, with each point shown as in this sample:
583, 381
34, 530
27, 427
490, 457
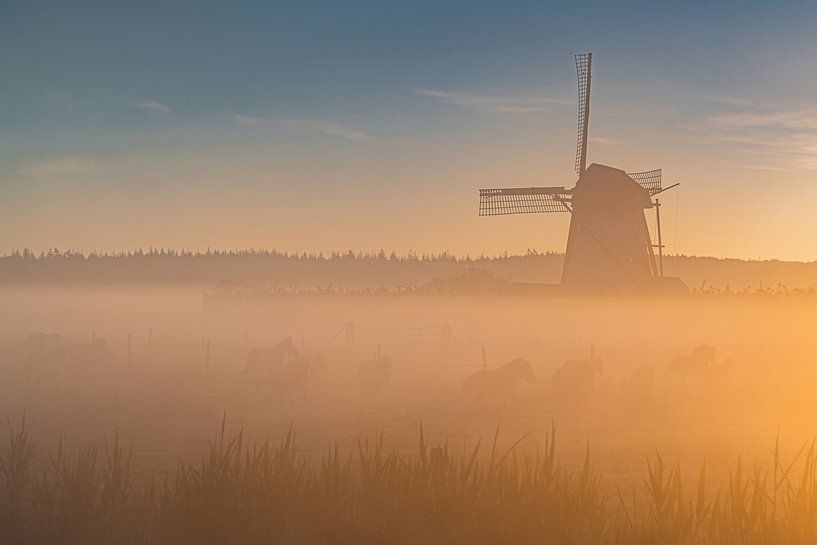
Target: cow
496, 384
260, 359
575, 379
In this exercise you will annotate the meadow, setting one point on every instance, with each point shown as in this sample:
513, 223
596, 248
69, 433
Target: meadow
171, 441
244, 491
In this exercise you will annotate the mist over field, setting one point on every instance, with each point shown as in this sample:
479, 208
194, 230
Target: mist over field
159, 370
175, 358
397, 273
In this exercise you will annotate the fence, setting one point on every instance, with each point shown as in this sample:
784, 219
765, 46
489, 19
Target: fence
397, 338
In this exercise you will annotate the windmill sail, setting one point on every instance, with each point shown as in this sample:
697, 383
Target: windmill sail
649, 180
584, 65
608, 243
522, 200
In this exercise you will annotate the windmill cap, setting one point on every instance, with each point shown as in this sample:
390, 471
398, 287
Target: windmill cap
610, 187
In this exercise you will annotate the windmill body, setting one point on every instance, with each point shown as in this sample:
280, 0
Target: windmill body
608, 245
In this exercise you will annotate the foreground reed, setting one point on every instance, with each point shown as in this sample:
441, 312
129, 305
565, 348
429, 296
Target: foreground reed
254, 492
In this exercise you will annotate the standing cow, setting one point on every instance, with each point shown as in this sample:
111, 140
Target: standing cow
575, 379
497, 384
260, 359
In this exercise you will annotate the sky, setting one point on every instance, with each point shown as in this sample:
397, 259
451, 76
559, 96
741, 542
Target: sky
320, 126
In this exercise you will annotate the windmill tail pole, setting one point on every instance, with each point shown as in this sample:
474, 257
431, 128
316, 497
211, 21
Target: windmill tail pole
657, 206
660, 241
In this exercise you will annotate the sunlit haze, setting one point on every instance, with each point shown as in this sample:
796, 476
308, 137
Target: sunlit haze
386, 273
368, 125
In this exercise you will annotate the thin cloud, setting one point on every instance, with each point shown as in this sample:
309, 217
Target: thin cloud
745, 103
251, 121
322, 127
331, 129
774, 137
605, 141
800, 119
766, 168
65, 166
150, 105
735, 101
494, 103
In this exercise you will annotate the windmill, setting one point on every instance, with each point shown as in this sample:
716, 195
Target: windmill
608, 243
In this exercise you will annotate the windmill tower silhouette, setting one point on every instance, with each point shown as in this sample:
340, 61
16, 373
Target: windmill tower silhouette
608, 243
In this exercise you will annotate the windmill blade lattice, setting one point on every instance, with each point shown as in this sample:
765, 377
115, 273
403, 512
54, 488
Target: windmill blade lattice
522, 200
649, 180
584, 66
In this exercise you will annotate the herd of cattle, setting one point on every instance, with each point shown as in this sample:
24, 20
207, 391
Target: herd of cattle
294, 373
575, 380
49, 354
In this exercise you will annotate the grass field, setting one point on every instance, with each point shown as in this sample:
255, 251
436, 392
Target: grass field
157, 420
245, 491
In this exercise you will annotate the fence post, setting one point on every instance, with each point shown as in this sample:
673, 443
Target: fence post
349, 330
207, 357
445, 337
130, 350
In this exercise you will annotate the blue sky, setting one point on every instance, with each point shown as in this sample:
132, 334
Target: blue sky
318, 125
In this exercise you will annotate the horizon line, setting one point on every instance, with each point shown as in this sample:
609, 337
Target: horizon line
333, 254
